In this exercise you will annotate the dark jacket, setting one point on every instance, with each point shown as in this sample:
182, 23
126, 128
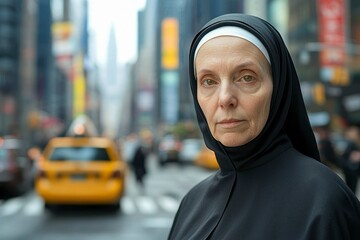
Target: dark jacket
138, 162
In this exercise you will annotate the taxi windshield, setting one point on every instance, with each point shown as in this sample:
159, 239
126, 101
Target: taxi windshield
79, 154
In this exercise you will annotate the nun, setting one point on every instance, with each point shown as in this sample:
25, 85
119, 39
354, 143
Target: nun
271, 183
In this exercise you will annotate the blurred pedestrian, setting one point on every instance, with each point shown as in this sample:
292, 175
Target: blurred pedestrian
271, 183
351, 157
327, 151
129, 146
140, 156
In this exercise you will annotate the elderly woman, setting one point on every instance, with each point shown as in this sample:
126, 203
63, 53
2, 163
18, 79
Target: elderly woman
271, 184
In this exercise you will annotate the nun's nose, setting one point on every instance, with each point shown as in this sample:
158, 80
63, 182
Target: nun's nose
227, 95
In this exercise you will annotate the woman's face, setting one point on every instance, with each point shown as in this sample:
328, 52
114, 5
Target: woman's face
234, 87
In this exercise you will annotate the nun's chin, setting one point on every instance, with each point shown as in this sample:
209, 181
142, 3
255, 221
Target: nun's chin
233, 139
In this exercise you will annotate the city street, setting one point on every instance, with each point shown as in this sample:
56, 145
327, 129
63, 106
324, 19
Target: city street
145, 213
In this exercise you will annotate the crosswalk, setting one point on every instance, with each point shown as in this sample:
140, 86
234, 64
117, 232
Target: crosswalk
149, 204
130, 205
163, 191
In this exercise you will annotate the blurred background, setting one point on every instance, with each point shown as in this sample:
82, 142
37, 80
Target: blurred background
124, 65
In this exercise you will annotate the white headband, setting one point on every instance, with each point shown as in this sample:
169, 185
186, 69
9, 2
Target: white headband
235, 32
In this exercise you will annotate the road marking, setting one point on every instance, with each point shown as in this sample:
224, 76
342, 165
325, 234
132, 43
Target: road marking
146, 205
157, 222
11, 207
34, 207
127, 205
169, 204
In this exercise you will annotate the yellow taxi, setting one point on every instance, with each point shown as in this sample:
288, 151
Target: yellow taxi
81, 170
206, 159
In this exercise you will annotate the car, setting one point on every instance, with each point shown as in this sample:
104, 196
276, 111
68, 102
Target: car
190, 147
15, 167
206, 159
169, 148
81, 170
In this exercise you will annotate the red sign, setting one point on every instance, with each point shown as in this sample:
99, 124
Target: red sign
332, 34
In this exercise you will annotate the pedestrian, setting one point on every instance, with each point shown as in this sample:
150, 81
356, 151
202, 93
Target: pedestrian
351, 157
129, 146
141, 153
328, 155
271, 183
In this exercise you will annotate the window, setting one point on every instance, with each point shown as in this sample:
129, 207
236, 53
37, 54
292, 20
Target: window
79, 154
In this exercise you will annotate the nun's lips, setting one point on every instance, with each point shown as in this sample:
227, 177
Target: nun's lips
230, 123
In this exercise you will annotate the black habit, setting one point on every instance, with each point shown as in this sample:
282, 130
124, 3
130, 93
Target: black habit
275, 186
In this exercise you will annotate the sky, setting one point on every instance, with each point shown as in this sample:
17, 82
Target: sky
122, 14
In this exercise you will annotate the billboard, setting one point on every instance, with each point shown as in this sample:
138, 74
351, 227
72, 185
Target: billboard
169, 72
170, 43
332, 37
64, 47
79, 86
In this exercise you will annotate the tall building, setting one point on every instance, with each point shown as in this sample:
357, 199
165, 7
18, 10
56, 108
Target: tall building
161, 76
10, 25
70, 47
111, 89
145, 73
169, 27
278, 15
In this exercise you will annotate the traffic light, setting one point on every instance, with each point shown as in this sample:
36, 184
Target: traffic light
9, 48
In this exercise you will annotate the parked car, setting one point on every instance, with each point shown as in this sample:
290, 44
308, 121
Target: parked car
81, 170
169, 149
190, 147
206, 159
15, 167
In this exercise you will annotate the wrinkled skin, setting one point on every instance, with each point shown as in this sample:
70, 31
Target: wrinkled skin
234, 88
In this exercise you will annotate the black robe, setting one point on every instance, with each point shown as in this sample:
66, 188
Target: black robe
273, 187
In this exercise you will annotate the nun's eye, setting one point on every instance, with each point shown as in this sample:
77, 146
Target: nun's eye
247, 78
208, 82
